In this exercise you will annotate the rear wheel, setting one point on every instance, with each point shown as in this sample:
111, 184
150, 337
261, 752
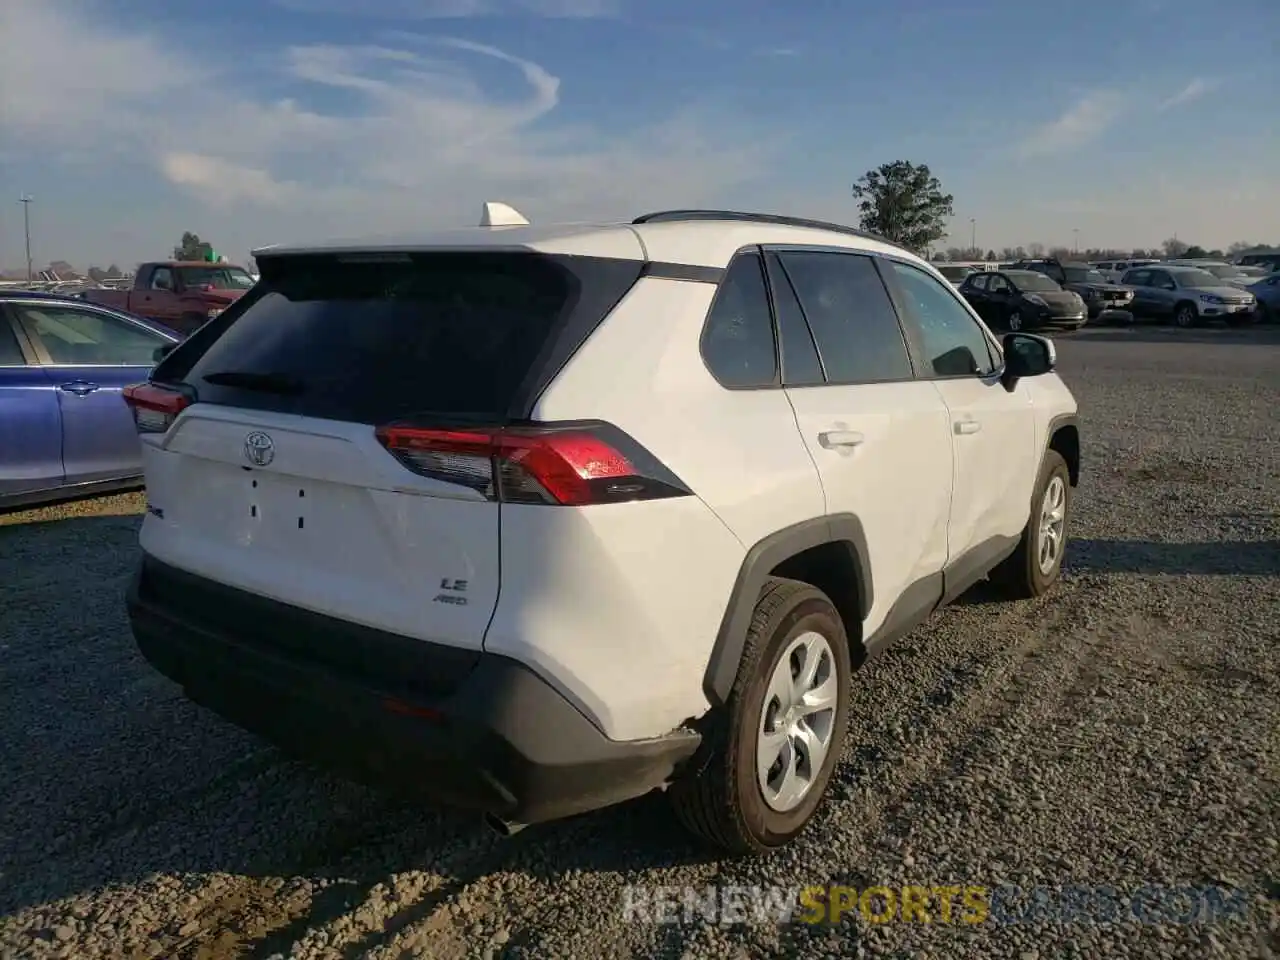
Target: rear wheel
781, 731
1036, 564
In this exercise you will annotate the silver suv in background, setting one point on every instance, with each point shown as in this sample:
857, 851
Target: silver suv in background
1188, 296
1114, 270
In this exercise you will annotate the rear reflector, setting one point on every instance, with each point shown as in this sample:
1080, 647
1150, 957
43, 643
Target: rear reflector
568, 464
154, 407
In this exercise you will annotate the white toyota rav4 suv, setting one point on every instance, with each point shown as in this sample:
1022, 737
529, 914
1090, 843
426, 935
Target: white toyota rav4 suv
535, 520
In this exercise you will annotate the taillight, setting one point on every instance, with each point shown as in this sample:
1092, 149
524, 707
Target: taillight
154, 408
570, 464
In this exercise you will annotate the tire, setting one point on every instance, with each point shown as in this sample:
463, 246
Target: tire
191, 322
1186, 316
1013, 321
1021, 576
1241, 319
723, 802
1263, 313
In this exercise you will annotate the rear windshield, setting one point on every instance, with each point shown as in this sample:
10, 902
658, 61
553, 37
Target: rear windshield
458, 335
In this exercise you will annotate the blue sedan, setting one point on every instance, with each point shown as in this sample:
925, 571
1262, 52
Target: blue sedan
1267, 290
65, 431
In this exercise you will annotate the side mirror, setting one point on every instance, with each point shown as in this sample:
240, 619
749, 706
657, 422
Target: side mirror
1026, 355
162, 351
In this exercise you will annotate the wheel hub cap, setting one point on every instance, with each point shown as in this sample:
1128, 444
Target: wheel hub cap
1053, 522
797, 721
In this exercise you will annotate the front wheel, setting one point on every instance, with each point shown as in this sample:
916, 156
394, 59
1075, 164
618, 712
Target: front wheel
1014, 321
782, 730
1185, 316
1036, 564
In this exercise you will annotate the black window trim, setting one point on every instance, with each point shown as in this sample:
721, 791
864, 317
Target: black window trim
913, 356
9, 321
995, 352
37, 348
776, 383
771, 258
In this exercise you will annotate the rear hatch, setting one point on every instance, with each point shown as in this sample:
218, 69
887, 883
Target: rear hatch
278, 480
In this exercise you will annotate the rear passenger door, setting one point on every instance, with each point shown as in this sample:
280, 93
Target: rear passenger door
879, 438
30, 422
991, 428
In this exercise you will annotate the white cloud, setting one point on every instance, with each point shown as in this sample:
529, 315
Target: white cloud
458, 9
1078, 126
374, 137
1194, 90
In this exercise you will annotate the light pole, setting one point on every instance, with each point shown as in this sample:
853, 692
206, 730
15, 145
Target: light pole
973, 233
1075, 232
25, 200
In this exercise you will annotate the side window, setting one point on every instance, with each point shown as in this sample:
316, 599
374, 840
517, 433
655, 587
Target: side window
162, 279
980, 281
800, 364
953, 343
852, 318
84, 337
10, 352
1159, 278
737, 341
998, 284
1137, 278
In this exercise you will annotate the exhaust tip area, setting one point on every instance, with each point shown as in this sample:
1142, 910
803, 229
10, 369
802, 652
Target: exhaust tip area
502, 827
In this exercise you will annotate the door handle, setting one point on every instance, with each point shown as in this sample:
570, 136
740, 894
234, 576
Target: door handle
967, 426
79, 387
840, 438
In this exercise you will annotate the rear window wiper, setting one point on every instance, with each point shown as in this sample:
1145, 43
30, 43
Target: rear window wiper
265, 382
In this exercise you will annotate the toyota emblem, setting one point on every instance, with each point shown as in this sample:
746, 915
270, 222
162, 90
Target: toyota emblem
259, 449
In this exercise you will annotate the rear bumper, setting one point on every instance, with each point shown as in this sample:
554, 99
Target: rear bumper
501, 740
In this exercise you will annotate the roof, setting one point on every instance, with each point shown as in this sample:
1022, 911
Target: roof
710, 242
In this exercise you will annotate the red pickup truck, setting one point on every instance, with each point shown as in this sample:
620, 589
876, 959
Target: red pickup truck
181, 296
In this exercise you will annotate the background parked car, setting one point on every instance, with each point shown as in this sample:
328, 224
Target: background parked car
1187, 295
955, 273
1267, 293
1099, 293
1227, 272
65, 430
1114, 270
1023, 299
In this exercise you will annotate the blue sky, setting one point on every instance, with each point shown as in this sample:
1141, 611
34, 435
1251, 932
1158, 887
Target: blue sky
257, 121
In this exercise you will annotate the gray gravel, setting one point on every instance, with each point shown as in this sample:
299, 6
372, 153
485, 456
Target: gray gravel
1123, 731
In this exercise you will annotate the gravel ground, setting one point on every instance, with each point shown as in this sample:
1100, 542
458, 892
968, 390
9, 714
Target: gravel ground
1123, 731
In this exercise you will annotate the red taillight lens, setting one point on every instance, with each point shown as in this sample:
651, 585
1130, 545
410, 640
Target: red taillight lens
154, 408
562, 464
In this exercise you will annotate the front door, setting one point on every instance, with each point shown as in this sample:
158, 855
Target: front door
90, 356
30, 422
991, 429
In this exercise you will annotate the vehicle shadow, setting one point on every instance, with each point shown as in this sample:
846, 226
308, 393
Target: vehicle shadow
1259, 558
1266, 334
112, 777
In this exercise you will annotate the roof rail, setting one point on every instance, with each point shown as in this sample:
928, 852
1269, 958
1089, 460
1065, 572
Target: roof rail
676, 216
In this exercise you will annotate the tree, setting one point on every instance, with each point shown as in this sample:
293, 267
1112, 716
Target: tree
1195, 251
991, 254
1241, 246
1035, 250
1010, 254
904, 203
1173, 247
192, 248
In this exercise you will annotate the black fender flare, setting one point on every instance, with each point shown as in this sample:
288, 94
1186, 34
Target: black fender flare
726, 655
1056, 424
